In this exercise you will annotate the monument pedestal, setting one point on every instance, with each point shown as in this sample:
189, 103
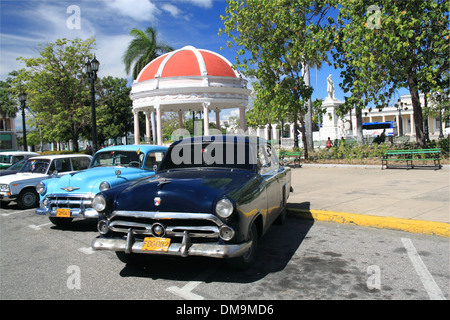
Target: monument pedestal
330, 123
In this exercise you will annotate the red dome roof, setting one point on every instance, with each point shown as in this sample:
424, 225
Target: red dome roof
186, 62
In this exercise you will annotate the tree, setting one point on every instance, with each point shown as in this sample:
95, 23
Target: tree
115, 118
143, 49
8, 101
275, 39
57, 88
392, 45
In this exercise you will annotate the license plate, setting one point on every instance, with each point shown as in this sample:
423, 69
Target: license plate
63, 213
156, 244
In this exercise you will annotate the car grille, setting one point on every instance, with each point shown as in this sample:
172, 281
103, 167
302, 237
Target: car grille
69, 202
175, 227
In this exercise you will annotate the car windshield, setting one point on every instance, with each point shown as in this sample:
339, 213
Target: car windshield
36, 166
210, 154
117, 158
19, 164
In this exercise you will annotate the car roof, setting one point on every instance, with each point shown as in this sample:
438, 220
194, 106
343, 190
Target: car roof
225, 138
60, 156
14, 153
135, 147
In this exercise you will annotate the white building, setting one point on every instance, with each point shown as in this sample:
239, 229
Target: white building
335, 127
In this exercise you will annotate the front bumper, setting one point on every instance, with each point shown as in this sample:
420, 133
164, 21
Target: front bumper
183, 249
79, 205
74, 213
7, 197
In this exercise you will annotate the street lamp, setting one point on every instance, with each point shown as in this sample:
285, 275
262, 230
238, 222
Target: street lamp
91, 71
23, 99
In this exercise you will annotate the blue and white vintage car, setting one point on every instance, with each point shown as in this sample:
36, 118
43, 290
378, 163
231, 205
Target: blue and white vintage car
211, 196
69, 197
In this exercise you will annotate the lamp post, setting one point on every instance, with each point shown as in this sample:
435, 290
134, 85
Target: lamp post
23, 99
91, 71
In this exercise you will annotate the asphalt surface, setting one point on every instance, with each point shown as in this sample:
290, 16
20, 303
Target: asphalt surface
414, 200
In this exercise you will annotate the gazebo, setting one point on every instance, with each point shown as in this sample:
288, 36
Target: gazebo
187, 79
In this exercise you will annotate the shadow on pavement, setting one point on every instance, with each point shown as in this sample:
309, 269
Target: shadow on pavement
275, 250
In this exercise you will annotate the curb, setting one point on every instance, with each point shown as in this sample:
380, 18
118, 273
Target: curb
441, 229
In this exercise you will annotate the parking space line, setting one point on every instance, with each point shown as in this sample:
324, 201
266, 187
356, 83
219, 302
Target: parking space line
15, 212
35, 227
87, 250
425, 276
186, 291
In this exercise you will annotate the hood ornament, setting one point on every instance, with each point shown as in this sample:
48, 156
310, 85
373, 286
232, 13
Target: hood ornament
157, 201
70, 189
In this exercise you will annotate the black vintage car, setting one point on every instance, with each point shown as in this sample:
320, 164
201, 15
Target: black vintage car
211, 196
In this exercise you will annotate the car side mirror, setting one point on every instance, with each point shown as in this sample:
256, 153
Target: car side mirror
155, 167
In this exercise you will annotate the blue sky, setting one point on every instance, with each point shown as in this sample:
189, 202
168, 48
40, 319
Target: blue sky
28, 23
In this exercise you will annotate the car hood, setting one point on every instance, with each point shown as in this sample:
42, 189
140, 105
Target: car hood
88, 181
19, 177
181, 190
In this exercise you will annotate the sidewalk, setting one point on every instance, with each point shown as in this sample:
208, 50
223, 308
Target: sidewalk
415, 200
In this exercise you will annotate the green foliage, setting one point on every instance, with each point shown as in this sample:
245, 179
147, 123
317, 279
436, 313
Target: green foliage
57, 88
114, 108
143, 49
274, 40
387, 45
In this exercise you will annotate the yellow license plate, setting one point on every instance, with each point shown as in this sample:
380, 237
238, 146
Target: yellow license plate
63, 213
156, 244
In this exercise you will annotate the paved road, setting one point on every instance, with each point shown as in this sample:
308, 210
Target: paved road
299, 260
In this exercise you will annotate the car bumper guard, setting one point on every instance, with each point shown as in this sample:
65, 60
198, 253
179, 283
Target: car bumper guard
183, 249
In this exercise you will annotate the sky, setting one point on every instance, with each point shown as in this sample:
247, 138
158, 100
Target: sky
24, 24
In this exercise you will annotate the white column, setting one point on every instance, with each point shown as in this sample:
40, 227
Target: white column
180, 120
217, 119
152, 115
136, 127
411, 119
158, 125
206, 117
242, 122
266, 132
147, 126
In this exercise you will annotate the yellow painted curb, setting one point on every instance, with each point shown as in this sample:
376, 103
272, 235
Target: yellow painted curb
415, 226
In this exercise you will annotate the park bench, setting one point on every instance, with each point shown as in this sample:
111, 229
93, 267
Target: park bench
294, 156
411, 156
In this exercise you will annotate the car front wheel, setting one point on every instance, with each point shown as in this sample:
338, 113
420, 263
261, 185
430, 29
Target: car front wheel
28, 199
246, 260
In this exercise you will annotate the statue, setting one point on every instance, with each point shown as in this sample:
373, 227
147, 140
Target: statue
330, 88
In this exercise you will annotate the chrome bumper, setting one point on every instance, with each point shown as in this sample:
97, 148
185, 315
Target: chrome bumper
183, 249
74, 213
79, 205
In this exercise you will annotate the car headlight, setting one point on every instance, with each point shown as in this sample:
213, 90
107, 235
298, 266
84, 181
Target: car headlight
4, 187
224, 208
40, 188
104, 186
99, 203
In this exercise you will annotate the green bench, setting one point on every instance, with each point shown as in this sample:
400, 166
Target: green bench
294, 156
411, 156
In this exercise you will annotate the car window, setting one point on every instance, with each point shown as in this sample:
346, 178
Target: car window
210, 154
5, 159
153, 158
80, 163
60, 165
17, 158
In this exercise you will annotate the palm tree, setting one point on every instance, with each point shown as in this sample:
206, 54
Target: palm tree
143, 49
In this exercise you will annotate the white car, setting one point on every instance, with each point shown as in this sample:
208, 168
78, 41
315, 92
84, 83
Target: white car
8, 158
21, 187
